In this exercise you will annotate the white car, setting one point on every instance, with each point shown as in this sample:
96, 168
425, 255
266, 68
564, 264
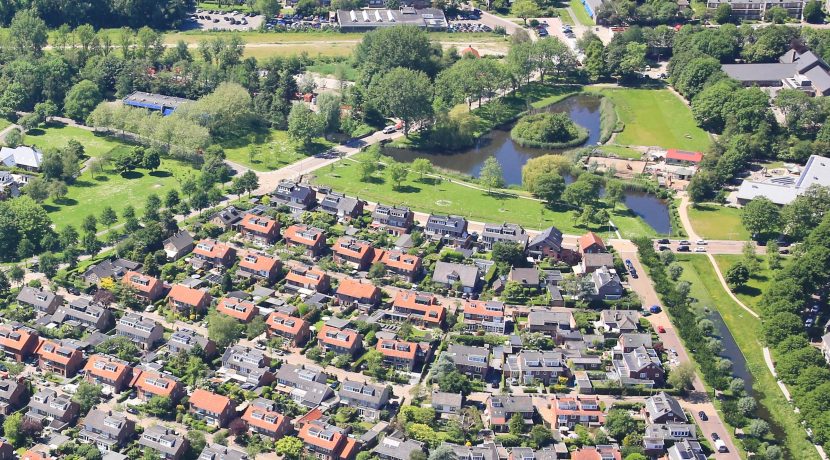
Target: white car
389, 130
701, 242
700, 249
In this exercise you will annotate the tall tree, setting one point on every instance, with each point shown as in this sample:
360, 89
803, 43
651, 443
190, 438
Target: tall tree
491, 175
405, 94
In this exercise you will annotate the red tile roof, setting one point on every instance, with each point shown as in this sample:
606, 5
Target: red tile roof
356, 289
400, 260
155, 383
284, 323
212, 249
48, 349
684, 155
109, 368
256, 416
243, 310
208, 401
14, 338
317, 276
310, 435
479, 307
260, 224
141, 282
187, 295
411, 300
345, 338
259, 262
589, 239
590, 453
350, 247
304, 234
397, 348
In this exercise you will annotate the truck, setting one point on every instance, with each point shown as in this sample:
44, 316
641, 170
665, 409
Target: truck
720, 446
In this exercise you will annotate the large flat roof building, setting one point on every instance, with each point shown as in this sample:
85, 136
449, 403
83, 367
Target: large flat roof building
784, 189
368, 19
158, 102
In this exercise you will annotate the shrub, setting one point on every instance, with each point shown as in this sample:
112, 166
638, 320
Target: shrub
549, 131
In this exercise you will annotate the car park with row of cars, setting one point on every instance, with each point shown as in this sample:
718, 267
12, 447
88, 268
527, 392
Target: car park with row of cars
228, 20
298, 22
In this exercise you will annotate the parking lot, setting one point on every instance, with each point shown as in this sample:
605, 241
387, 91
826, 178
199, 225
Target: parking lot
298, 22
223, 20
467, 21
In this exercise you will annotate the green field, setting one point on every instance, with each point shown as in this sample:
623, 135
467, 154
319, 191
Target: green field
57, 135
329, 69
717, 222
275, 150
749, 294
581, 15
655, 117
746, 329
622, 151
452, 198
547, 95
565, 16
90, 195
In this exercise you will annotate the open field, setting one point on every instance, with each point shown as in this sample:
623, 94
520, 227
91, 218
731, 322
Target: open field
314, 50
57, 135
746, 329
717, 222
622, 151
274, 150
580, 13
445, 197
329, 69
750, 293
90, 195
655, 118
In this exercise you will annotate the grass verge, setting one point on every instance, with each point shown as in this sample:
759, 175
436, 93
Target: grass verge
581, 14
717, 222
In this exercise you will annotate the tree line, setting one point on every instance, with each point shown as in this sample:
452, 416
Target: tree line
161, 14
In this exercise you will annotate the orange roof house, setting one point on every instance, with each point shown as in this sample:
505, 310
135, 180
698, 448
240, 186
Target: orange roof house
151, 383
312, 238
260, 229
55, 356
289, 327
422, 307
18, 341
401, 354
243, 310
214, 409
108, 371
597, 453
591, 243
683, 157
148, 288
209, 253
303, 277
359, 254
352, 291
326, 442
339, 340
401, 263
261, 266
262, 417
185, 299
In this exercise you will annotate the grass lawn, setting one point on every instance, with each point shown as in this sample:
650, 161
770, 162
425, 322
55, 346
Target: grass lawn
548, 95
581, 14
655, 117
746, 329
291, 49
4, 123
565, 16
452, 198
622, 151
330, 69
57, 135
275, 150
90, 195
717, 222
750, 294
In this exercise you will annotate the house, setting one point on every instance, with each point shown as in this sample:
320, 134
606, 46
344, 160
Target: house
395, 447
298, 197
261, 230
263, 418
825, 346
630, 341
220, 452
213, 409
259, 266
150, 382
526, 277
41, 300
144, 332
188, 341
356, 253
13, 394
108, 371
327, 442
35, 453
161, 103
546, 453
211, 253
9, 186
249, 365
450, 275
63, 357
449, 230
106, 430
591, 243
313, 239
368, 399
530, 366
304, 277
396, 220
571, 411
446, 403
471, 361
187, 300
503, 233
663, 408
17, 341
342, 206
165, 442
84, 313
782, 190
419, 307
242, 310
639, 367
607, 284
147, 288
113, 269
481, 315
305, 384
603, 452
21, 157
179, 245
547, 244
54, 410
501, 408
354, 292
555, 323
486, 451
339, 340
683, 157
295, 330
227, 219
619, 321
407, 266
657, 436
686, 450
591, 261
403, 355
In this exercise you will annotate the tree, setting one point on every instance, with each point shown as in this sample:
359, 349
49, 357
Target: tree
491, 175
737, 275
405, 94
443, 452
773, 255
540, 436
682, 376
747, 405
757, 428
28, 33
377, 270
750, 259
81, 100
12, 429
108, 217
303, 124
88, 395
813, 12
618, 423
779, 326
269, 8
516, 424
549, 187
525, 9
723, 14
150, 160
455, 382
290, 446
223, 329
761, 216
580, 193
422, 167
16, 274
48, 264
328, 111
380, 51
398, 173
13, 138
37, 189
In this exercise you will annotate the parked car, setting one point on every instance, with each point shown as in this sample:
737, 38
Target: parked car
703, 416
684, 243
661, 329
684, 248
700, 249
654, 309
701, 242
389, 130
663, 241
715, 437
663, 247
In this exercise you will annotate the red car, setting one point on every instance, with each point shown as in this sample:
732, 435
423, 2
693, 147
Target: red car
661, 329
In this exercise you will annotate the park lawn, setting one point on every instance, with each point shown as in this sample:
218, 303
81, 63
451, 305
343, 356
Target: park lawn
622, 151
552, 94
447, 197
329, 69
717, 222
750, 293
90, 195
314, 50
655, 117
57, 135
275, 150
698, 270
581, 14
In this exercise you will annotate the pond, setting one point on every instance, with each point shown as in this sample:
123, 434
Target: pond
584, 110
